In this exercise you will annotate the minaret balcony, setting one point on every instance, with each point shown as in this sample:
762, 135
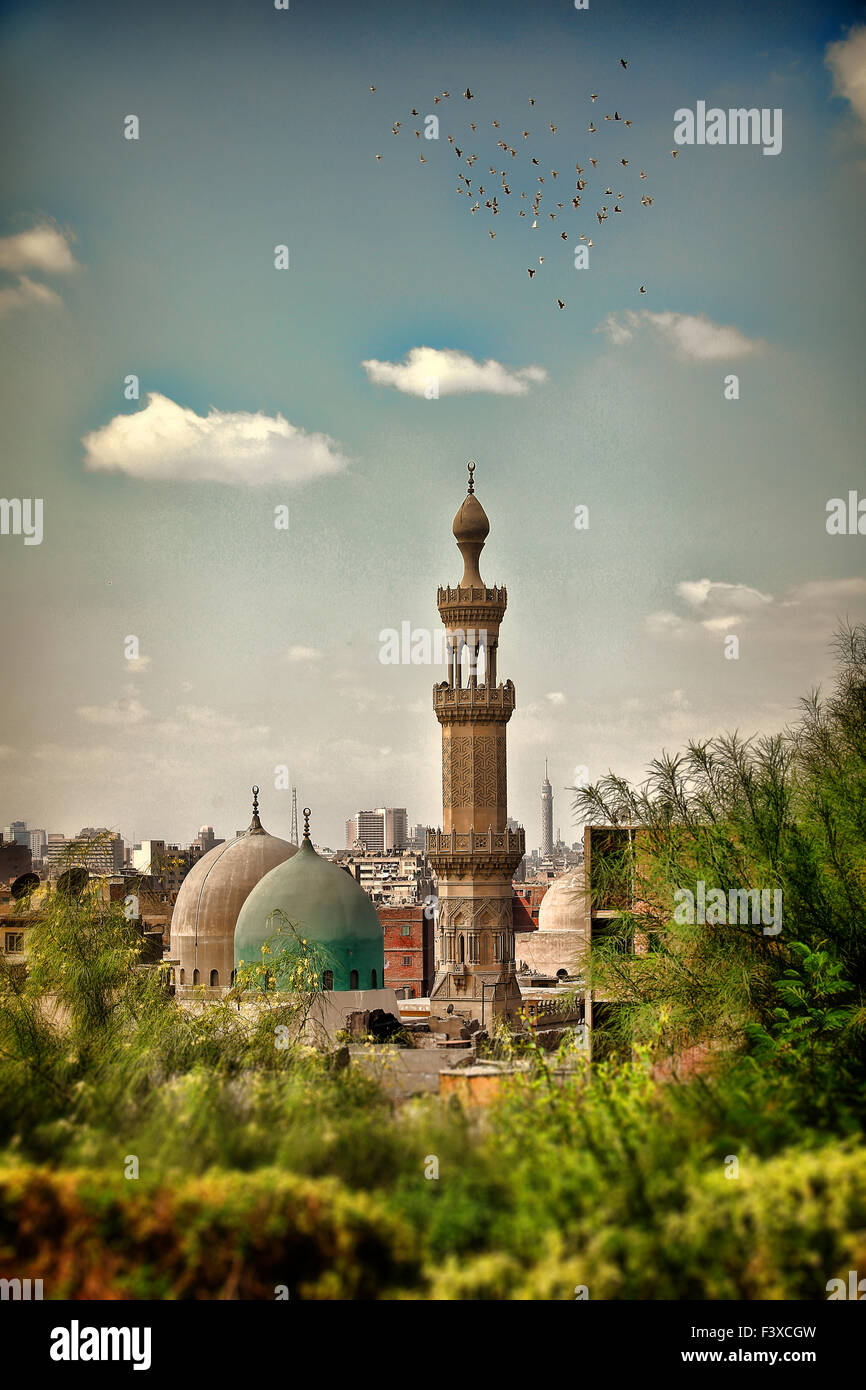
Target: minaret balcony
471, 606
455, 703
456, 854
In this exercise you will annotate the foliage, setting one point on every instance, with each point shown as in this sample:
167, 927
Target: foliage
265, 1161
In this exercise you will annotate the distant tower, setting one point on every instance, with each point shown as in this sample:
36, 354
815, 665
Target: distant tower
546, 815
474, 855
293, 836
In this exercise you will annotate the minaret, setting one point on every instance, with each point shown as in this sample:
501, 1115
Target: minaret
546, 815
474, 855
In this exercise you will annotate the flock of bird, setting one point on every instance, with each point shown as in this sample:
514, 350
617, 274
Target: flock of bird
503, 183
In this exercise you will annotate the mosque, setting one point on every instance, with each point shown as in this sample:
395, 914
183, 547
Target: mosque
231, 902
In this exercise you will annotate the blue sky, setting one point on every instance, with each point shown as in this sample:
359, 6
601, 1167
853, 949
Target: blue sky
261, 647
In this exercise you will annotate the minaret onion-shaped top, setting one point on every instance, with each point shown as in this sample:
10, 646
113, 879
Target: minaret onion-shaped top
471, 528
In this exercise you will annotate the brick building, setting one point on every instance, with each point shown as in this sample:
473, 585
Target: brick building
409, 949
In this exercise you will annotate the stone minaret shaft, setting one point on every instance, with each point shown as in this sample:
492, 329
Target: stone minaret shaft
474, 855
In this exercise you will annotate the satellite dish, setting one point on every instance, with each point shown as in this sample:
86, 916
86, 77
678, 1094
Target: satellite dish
23, 885
73, 882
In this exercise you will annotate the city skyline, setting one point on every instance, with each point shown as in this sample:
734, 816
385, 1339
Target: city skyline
260, 648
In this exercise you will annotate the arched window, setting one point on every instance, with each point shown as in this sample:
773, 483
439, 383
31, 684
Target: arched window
327, 979
214, 979
196, 977
353, 979
374, 983
462, 948
182, 976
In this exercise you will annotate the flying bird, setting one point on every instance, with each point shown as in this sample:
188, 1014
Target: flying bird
491, 234
593, 96
372, 89
591, 128
623, 162
674, 153
643, 173
469, 95
552, 128
561, 303
564, 236
378, 156
530, 272
532, 101
624, 62
642, 289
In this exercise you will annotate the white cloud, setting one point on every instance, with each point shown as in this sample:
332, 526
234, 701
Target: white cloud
709, 594
121, 712
556, 697
846, 60
693, 337
806, 609
455, 374
44, 248
25, 292
169, 441
303, 654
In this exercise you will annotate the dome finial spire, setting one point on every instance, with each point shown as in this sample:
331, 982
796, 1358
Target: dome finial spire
256, 827
306, 823
471, 467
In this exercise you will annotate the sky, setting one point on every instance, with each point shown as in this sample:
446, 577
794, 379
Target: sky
342, 396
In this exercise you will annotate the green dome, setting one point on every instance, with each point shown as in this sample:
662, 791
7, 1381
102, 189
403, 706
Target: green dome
329, 909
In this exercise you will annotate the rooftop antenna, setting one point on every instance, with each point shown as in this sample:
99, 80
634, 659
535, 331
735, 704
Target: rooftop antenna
294, 829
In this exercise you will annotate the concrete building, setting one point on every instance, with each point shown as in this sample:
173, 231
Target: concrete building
38, 841
389, 879
474, 855
206, 840
380, 831
17, 833
95, 848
